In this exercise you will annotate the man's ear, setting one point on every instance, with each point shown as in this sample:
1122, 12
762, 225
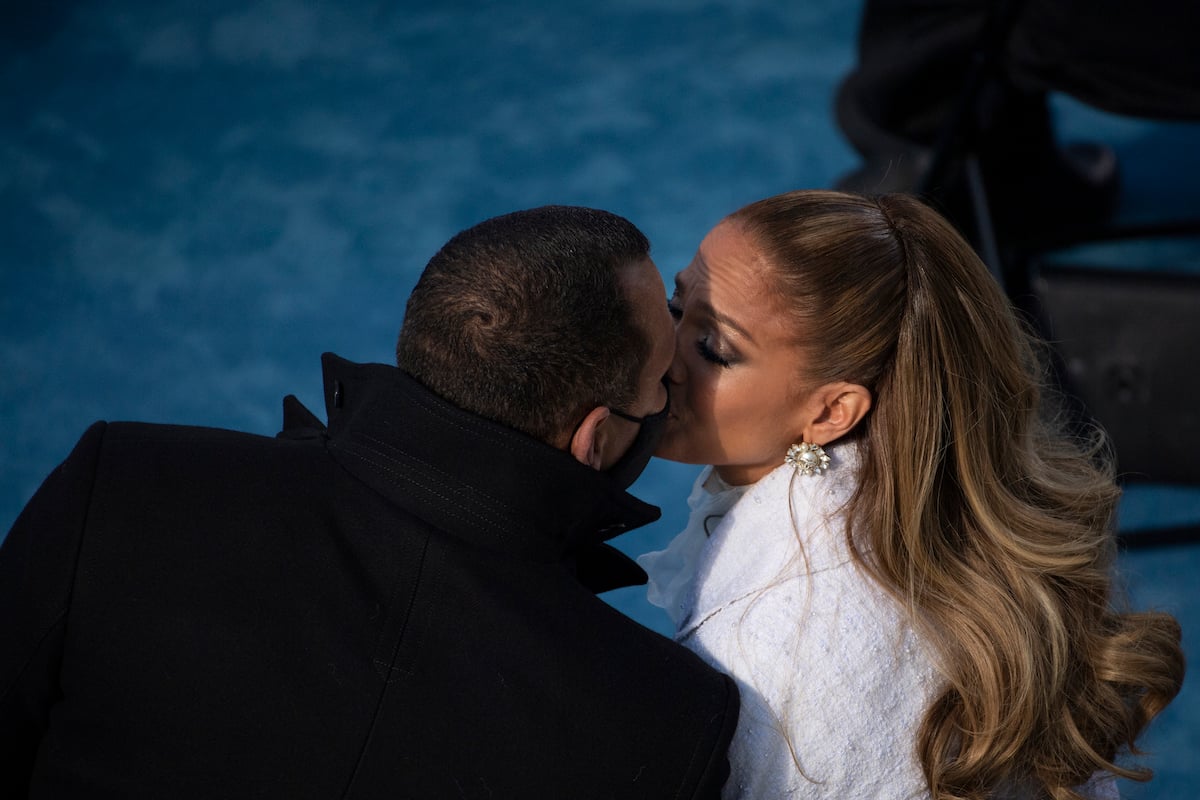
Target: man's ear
834, 410
586, 442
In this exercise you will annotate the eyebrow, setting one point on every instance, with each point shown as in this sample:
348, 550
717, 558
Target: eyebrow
723, 319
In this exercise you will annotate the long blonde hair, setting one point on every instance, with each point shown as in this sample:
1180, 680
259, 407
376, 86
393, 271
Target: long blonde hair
976, 508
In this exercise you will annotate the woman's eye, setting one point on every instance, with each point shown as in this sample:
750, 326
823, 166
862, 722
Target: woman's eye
708, 354
674, 310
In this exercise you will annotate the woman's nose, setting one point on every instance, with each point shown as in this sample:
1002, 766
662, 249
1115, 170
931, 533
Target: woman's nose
677, 371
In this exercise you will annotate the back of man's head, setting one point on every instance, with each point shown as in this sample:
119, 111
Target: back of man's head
522, 319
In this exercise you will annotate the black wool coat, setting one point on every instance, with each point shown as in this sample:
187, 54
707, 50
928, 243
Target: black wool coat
399, 605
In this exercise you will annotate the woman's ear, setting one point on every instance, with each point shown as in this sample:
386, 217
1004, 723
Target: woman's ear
835, 410
586, 441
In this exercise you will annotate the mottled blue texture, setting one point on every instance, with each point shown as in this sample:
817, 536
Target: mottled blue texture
196, 200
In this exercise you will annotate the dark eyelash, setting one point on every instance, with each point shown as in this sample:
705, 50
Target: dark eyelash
708, 354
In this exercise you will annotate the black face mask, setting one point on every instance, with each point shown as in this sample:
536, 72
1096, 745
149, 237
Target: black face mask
630, 466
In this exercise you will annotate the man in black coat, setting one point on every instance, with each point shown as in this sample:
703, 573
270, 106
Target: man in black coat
400, 604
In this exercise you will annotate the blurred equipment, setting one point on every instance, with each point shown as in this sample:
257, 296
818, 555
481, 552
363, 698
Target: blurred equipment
949, 101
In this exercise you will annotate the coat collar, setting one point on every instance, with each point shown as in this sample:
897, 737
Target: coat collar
783, 530
483, 482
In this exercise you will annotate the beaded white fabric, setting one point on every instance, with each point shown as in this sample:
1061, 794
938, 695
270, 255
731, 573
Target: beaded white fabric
834, 680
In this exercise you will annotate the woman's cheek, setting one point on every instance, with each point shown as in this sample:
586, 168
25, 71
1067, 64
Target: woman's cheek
674, 443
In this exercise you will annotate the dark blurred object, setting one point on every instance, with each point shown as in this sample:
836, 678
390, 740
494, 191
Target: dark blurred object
948, 101
1124, 340
938, 80
1124, 343
31, 24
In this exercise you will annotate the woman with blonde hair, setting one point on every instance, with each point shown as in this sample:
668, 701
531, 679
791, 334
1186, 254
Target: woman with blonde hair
899, 551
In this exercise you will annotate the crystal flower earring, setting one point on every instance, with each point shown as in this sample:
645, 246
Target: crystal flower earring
807, 459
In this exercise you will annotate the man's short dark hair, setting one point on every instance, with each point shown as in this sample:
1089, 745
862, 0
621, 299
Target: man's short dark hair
523, 319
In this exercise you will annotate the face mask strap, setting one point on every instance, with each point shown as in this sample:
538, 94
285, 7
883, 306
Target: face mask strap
640, 420
630, 417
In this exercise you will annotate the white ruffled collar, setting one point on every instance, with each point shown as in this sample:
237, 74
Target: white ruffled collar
741, 539
673, 571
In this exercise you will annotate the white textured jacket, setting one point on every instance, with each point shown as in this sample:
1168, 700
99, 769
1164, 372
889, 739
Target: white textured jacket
834, 680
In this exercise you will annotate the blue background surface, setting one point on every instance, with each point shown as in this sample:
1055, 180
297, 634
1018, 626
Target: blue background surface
196, 200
